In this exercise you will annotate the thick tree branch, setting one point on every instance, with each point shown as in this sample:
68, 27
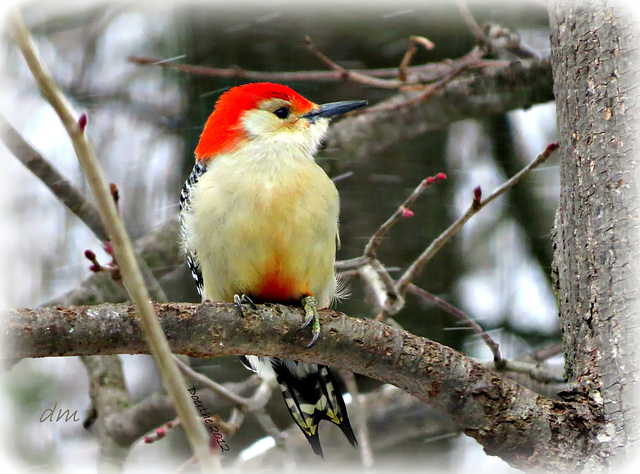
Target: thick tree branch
510, 421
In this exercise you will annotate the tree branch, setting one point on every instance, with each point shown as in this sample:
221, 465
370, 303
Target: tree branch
109, 397
62, 188
123, 249
510, 421
518, 84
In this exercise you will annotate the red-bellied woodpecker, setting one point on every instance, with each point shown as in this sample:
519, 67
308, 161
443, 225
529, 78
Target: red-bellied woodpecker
260, 224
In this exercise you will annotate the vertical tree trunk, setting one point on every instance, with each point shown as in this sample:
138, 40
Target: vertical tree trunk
596, 236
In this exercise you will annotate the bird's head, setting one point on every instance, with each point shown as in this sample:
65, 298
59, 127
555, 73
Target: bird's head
272, 116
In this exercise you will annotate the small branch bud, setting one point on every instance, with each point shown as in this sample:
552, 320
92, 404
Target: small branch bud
477, 196
115, 193
116, 275
108, 248
551, 147
90, 255
160, 433
407, 213
441, 177
82, 122
430, 180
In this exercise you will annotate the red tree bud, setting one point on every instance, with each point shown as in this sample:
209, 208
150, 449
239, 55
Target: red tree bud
477, 194
407, 213
82, 122
551, 147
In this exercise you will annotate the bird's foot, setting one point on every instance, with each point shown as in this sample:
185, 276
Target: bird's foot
310, 305
239, 299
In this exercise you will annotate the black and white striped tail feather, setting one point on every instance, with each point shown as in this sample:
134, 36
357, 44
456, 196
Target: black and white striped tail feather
311, 393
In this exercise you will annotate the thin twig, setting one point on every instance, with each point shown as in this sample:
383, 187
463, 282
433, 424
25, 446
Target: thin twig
495, 38
360, 418
414, 41
121, 244
458, 67
214, 386
351, 263
382, 285
424, 72
69, 195
478, 203
470, 21
546, 353
402, 212
462, 316
538, 372
355, 76
52, 178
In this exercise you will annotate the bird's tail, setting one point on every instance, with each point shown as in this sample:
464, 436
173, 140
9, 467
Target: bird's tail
312, 394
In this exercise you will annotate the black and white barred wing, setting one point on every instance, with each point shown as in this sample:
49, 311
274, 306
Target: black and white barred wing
185, 208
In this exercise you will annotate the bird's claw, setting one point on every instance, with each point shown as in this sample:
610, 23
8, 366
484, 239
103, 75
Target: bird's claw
310, 305
239, 299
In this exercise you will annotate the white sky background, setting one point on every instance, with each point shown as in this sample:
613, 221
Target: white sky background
23, 250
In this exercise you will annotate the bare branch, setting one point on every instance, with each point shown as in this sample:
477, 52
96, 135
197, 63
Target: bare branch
354, 76
466, 319
416, 267
214, 386
497, 90
538, 372
60, 186
109, 396
360, 419
67, 194
471, 22
402, 212
129, 425
423, 73
414, 42
532, 429
123, 248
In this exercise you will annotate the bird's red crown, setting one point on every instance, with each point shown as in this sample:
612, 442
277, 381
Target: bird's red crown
223, 130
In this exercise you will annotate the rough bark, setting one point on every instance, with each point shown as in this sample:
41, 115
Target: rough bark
527, 430
595, 72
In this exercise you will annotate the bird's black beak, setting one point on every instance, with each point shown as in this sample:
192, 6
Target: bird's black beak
334, 108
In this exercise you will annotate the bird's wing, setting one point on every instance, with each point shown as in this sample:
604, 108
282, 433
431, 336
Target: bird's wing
185, 208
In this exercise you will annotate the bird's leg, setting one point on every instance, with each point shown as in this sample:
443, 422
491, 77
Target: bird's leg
310, 305
239, 299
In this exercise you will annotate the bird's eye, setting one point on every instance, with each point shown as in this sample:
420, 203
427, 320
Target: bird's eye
282, 112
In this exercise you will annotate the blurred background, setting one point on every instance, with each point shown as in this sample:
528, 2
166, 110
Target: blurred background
144, 123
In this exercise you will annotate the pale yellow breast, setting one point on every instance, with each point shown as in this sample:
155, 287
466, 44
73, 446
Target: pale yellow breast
259, 225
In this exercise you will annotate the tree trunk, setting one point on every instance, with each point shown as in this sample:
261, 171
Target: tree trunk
596, 234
